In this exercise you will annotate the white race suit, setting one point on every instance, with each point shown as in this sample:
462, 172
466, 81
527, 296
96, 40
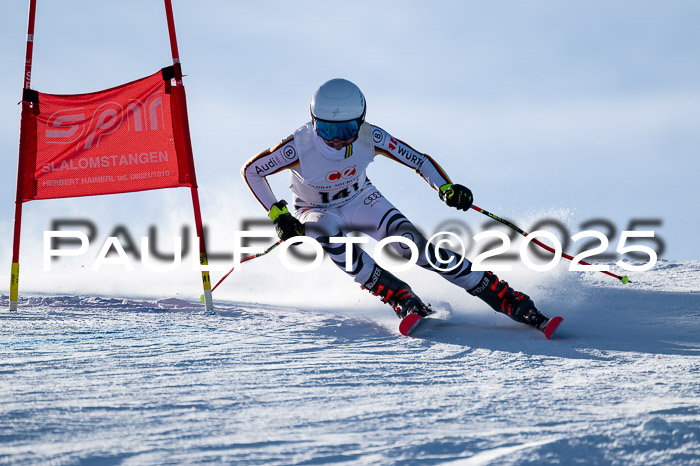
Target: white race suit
332, 196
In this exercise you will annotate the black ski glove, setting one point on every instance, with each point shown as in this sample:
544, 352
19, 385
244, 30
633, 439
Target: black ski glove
457, 196
286, 224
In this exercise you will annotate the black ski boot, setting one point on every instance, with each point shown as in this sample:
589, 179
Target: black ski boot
502, 298
396, 293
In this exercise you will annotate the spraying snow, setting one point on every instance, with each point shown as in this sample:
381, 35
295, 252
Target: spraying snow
104, 379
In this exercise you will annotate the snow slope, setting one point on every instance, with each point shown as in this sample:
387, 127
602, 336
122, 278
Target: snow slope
105, 380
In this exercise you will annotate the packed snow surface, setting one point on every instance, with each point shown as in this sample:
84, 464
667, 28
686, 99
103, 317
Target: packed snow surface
107, 380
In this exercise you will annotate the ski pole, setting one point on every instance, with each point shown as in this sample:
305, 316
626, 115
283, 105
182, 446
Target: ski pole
245, 259
624, 279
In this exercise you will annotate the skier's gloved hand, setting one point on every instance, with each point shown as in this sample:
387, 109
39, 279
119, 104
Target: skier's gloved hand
457, 196
286, 224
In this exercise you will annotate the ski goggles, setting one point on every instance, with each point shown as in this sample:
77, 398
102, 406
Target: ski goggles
342, 130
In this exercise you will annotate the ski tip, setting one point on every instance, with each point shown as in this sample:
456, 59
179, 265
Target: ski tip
409, 324
552, 326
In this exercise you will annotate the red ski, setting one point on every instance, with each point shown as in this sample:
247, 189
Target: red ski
550, 326
410, 323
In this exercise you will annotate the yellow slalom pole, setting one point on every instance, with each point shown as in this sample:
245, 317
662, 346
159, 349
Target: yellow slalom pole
206, 283
180, 90
14, 286
26, 108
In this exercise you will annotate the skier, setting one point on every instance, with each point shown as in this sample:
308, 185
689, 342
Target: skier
327, 159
